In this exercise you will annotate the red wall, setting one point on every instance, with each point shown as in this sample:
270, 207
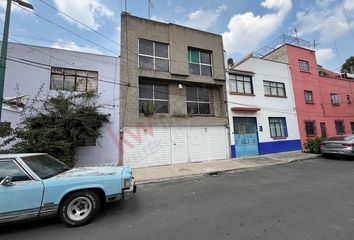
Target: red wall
322, 110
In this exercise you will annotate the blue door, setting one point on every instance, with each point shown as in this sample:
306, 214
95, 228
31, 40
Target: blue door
245, 132
22, 198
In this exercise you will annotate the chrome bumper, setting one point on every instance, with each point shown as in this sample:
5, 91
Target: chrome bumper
128, 193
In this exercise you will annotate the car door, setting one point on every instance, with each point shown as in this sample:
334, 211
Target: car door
21, 199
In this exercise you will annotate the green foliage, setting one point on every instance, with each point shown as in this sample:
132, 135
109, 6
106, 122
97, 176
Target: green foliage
148, 108
313, 145
5, 129
57, 125
348, 66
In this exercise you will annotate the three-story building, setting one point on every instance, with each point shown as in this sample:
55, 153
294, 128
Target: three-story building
172, 94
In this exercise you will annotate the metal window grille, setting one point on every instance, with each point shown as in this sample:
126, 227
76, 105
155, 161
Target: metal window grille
198, 101
310, 128
304, 66
339, 126
158, 94
154, 55
308, 96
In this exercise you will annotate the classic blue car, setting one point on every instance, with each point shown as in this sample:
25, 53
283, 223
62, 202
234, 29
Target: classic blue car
35, 185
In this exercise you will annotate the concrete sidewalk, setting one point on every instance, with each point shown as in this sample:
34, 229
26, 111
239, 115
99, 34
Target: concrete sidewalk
165, 173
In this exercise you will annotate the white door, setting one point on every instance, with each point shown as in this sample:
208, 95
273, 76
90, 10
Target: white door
179, 145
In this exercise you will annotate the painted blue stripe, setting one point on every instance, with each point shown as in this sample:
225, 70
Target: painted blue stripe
279, 146
233, 151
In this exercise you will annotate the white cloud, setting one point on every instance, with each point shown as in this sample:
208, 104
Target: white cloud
328, 18
324, 54
247, 31
203, 19
90, 12
72, 46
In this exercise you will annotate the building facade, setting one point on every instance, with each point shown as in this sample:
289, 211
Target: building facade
31, 68
172, 95
261, 108
323, 98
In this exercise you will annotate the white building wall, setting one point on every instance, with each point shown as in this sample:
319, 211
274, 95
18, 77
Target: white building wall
270, 106
27, 79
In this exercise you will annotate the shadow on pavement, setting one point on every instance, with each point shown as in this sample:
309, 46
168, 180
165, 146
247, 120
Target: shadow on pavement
107, 211
338, 157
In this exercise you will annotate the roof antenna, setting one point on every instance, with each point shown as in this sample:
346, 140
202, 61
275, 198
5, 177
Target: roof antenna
150, 5
297, 38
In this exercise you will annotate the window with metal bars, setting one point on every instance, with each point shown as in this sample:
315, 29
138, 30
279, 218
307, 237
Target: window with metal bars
308, 96
310, 128
304, 66
155, 93
198, 101
334, 98
73, 80
339, 124
153, 55
199, 62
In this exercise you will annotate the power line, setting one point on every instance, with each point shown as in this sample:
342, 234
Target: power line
82, 24
68, 30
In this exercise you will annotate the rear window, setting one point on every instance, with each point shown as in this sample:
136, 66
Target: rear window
341, 138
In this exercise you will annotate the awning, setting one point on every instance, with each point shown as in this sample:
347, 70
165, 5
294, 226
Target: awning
245, 109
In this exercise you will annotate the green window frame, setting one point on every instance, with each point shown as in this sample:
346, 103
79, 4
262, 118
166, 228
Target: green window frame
200, 62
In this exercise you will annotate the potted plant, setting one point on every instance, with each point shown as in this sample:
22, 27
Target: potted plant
148, 108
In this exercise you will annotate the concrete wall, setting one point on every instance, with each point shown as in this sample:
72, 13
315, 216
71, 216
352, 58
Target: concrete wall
270, 106
179, 39
27, 79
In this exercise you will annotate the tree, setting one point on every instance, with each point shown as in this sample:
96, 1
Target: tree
348, 66
58, 125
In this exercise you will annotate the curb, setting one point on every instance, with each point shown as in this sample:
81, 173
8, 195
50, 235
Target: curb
311, 156
211, 173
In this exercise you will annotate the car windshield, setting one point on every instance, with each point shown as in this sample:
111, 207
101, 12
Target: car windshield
45, 166
341, 138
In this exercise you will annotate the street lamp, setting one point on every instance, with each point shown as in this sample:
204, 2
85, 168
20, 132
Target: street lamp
5, 39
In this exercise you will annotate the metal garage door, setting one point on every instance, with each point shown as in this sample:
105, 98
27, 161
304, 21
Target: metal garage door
147, 147
207, 143
173, 145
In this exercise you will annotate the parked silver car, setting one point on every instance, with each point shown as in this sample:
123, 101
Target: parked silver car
339, 145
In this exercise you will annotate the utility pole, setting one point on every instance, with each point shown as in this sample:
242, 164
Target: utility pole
5, 39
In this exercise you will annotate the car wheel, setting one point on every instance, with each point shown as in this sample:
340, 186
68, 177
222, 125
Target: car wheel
79, 208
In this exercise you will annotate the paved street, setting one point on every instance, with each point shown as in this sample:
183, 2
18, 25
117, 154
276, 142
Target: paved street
311, 200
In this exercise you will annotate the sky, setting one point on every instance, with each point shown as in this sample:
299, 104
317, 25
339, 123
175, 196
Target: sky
246, 25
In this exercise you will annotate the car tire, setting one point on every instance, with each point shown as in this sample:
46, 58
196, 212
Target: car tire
79, 208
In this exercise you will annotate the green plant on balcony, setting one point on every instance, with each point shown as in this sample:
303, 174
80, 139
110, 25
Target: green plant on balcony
148, 108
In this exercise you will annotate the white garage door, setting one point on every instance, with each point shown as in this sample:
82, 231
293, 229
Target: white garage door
207, 143
147, 147
173, 145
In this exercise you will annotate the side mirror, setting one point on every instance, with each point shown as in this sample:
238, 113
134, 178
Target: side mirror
7, 181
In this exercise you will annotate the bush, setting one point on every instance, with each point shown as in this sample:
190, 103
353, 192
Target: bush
313, 145
58, 125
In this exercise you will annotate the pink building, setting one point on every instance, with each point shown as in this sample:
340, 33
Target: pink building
323, 99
